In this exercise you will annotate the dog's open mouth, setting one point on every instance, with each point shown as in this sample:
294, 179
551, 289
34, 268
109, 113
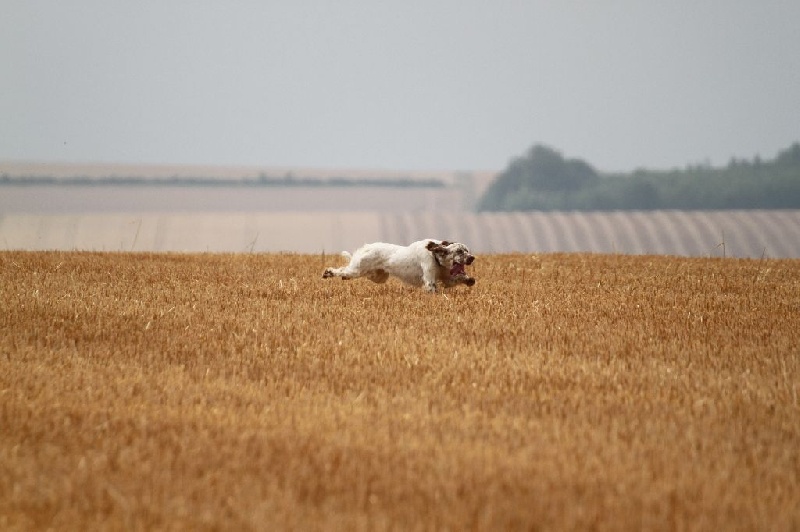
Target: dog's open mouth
457, 269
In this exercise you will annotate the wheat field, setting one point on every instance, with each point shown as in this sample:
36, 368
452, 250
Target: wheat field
242, 391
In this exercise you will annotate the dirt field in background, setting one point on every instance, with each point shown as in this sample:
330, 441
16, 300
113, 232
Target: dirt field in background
145, 391
81, 199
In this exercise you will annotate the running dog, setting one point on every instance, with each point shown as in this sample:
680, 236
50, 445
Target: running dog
423, 263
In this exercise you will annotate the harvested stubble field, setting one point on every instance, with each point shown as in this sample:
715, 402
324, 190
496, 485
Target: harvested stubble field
152, 391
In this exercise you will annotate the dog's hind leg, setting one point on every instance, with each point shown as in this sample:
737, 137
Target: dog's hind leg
345, 273
350, 271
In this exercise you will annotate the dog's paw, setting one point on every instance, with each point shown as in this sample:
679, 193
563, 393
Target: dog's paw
469, 281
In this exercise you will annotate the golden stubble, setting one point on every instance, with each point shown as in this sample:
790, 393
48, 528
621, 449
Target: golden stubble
563, 391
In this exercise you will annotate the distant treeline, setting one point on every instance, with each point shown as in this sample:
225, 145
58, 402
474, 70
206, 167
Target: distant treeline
543, 180
261, 181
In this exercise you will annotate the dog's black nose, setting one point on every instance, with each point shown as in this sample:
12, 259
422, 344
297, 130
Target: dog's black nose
470, 259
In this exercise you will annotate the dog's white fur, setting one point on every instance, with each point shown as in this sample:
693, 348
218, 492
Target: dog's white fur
421, 263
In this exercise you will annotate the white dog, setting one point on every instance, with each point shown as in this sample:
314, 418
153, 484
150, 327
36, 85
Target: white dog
422, 263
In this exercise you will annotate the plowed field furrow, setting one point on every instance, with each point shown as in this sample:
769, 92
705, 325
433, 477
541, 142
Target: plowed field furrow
692, 233
781, 232
624, 233
526, 230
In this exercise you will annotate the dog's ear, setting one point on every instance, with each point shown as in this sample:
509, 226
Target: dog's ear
437, 249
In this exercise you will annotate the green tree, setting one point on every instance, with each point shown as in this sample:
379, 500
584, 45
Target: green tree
541, 173
544, 180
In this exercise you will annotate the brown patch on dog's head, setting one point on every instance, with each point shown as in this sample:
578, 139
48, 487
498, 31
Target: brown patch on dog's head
440, 251
431, 246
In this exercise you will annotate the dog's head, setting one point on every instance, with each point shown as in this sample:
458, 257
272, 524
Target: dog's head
453, 256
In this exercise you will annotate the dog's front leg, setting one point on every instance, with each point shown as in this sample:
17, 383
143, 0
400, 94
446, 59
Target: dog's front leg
429, 278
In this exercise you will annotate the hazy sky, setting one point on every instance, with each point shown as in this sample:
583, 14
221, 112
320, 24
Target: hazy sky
415, 85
